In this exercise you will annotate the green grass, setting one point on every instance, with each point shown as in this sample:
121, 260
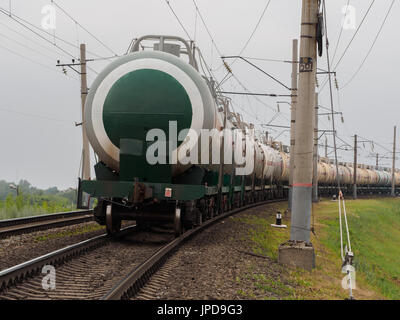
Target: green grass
265, 241
375, 238
70, 233
375, 235
32, 205
264, 238
276, 287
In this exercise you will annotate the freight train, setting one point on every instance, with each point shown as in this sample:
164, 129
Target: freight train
162, 81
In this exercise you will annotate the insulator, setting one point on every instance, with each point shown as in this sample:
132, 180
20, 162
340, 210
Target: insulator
336, 84
278, 107
227, 67
342, 119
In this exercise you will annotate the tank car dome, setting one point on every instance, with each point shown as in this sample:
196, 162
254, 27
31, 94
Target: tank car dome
143, 91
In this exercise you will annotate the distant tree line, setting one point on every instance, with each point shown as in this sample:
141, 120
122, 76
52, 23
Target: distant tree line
33, 201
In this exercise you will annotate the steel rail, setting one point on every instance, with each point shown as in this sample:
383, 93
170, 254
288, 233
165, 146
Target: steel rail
43, 217
42, 222
18, 273
137, 278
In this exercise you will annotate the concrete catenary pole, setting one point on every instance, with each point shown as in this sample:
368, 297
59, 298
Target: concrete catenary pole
355, 169
326, 147
302, 175
84, 92
315, 152
222, 160
393, 193
295, 68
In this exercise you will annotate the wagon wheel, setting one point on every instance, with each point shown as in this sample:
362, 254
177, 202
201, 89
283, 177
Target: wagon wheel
178, 229
113, 224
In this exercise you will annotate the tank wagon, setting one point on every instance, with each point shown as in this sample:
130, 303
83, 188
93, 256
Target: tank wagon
166, 88
370, 179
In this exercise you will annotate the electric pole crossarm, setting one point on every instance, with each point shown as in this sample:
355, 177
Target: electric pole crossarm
275, 126
330, 113
255, 94
259, 69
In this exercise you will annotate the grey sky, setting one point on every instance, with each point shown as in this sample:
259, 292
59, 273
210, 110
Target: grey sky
45, 147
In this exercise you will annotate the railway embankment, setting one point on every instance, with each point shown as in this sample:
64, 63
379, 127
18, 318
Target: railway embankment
375, 236
237, 259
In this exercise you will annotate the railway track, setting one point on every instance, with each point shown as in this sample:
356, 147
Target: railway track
73, 266
131, 285
102, 267
17, 226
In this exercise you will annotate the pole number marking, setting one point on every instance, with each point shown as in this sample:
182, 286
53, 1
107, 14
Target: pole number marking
306, 64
